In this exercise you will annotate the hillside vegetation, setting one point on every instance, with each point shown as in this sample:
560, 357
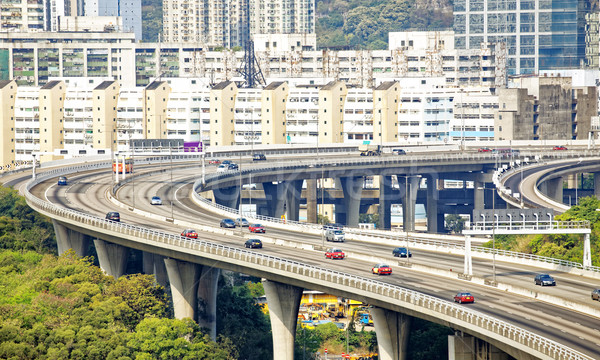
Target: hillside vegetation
351, 24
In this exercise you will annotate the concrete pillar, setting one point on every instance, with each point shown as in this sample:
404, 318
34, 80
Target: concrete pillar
283, 301
441, 220
294, 196
311, 201
466, 347
352, 188
409, 200
69, 239
553, 188
478, 195
468, 260
275, 195
597, 185
112, 258
432, 204
392, 330
155, 264
385, 202
183, 277
587, 253
229, 196
207, 294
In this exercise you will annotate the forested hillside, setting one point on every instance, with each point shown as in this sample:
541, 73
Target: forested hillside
352, 24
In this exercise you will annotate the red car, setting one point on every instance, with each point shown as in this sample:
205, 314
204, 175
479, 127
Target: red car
382, 269
484, 150
214, 161
334, 254
464, 297
189, 233
559, 148
256, 228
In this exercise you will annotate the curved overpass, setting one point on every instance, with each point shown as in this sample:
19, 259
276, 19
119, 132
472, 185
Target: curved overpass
384, 294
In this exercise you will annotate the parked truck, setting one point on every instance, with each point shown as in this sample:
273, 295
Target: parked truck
369, 150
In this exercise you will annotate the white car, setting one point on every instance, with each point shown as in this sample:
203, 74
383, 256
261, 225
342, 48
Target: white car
156, 200
223, 168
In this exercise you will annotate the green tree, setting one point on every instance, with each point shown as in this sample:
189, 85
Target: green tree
455, 223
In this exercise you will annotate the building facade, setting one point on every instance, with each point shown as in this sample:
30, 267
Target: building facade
539, 34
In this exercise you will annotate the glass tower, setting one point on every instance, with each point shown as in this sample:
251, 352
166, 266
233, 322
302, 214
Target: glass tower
539, 34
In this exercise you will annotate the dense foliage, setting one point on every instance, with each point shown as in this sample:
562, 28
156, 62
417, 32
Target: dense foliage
152, 20
21, 228
560, 246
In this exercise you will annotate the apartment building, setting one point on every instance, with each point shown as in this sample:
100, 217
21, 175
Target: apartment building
539, 34
545, 108
31, 59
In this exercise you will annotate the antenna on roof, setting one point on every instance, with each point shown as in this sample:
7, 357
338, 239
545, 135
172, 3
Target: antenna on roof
250, 70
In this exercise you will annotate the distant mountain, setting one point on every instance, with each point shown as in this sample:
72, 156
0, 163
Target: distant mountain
353, 24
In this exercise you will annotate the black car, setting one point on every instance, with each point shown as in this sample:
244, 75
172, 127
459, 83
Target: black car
253, 244
544, 280
401, 252
259, 157
226, 162
227, 223
596, 294
233, 166
113, 216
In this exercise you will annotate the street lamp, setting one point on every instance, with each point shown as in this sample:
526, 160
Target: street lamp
494, 218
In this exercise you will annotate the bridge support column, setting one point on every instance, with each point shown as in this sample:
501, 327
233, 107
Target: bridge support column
432, 204
468, 260
352, 188
183, 277
155, 264
466, 347
207, 294
294, 194
478, 195
275, 195
409, 200
553, 188
385, 202
392, 330
311, 201
597, 185
587, 253
229, 196
70, 239
112, 258
284, 302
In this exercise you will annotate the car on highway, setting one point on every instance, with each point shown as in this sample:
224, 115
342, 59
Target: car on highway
336, 235
233, 166
242, 222
559, 147
334, 253
596, 294
484, 149
464, 297
398, 151
226, 162
214, 161
227, 223
156, 200
544, 280
259, 157
113, 216
189, 233
222, 168
253, 244
401, 252
256, 228
62, 180
381, 269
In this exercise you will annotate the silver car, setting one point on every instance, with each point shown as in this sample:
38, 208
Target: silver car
156, 200
242, 222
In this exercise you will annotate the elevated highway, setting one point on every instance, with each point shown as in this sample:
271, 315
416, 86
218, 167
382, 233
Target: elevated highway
406, 292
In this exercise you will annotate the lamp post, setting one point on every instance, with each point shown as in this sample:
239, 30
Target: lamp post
494, 218
172, 194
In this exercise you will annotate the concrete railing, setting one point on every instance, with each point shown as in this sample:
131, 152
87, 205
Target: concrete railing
445, 311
